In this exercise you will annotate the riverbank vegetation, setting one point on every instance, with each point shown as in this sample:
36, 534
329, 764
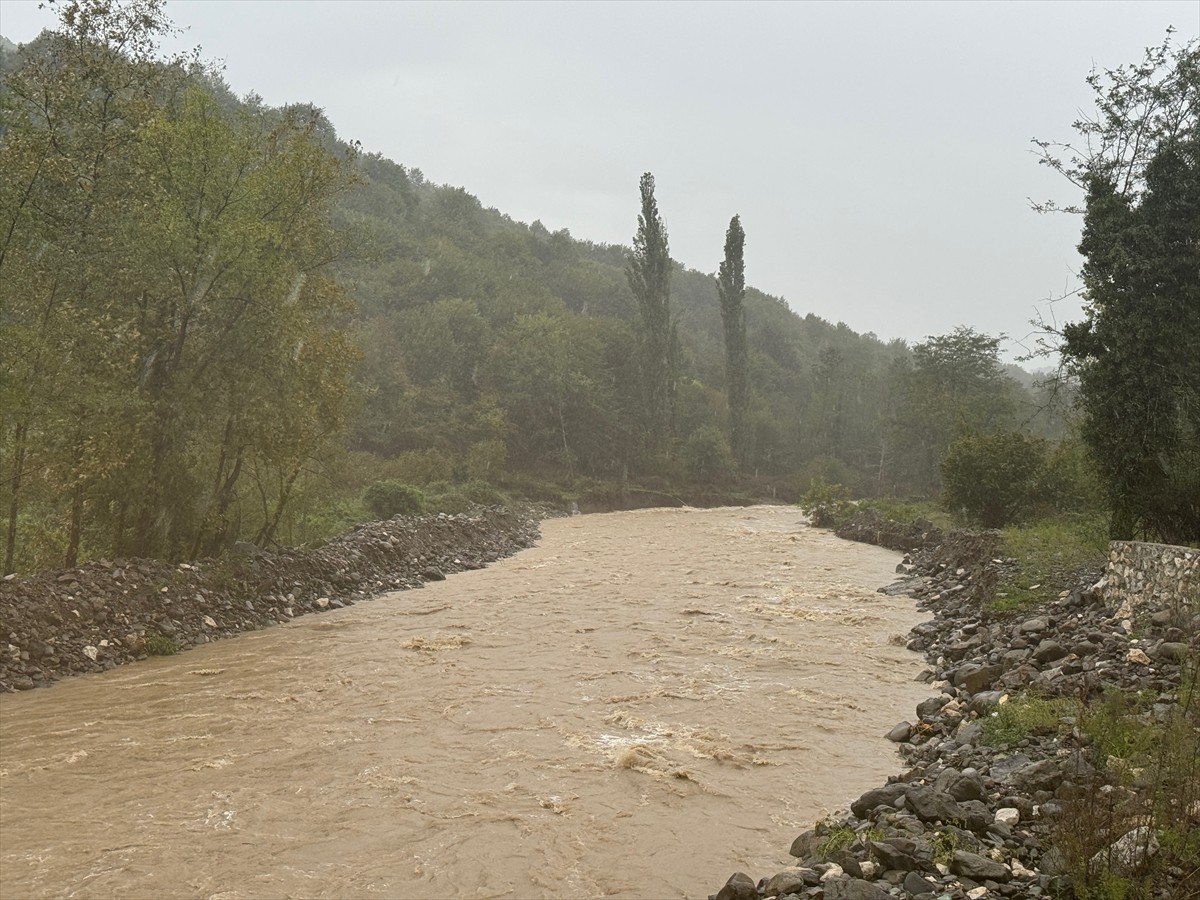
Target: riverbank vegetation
223, 322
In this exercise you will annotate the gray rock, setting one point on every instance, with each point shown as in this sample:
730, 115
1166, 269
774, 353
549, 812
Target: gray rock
967, 787
805, 845
917, 884
1036, 624
854, 889
900, 733
978, 868
792, 880
974, 678
929, 708
1176, 650
931, 805
740, 886
884, 796
1049, 650
900, 854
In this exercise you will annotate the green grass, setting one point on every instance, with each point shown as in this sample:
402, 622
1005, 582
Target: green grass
1011, 722
837, 839
1048, 554
910, 511
161, 644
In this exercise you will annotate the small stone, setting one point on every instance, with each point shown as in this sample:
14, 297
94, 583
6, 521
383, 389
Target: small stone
322, 602
1138, 657
91, 652
900, 733
834, 871
210, 622
1008, 816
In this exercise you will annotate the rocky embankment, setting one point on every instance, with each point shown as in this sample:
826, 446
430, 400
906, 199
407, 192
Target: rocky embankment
987, 815
105, 613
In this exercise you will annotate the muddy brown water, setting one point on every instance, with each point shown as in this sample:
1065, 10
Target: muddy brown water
639, 706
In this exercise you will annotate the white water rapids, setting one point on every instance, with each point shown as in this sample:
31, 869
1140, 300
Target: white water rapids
639, 706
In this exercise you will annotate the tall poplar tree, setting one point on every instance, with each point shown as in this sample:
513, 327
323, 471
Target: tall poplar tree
731, 288
649, 274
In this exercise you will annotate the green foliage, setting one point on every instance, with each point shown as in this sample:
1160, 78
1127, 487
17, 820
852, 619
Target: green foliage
707, 457
172, 352
1148, 752
943, 842
731, 291
1069, 483
1137, 351
161, 644
1010, 723
393, 498
457, 498
827, 505
993, 478
838, 838
956, 385
649, 274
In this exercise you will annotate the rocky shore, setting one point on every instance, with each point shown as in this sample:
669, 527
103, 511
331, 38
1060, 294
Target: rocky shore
106, 613
1004, 788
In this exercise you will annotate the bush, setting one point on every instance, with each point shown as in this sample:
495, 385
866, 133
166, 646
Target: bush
394, 498
160, 644
826, 504
993, 477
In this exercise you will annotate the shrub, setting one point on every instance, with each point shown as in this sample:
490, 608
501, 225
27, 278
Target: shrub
394, 498
993, 477
826, 504
161, 644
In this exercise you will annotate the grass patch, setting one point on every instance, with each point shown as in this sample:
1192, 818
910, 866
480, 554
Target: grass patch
161, 644
838, 838
1049, 553
1012, 722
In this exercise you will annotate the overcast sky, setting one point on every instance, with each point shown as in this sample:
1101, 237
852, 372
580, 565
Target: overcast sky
878, 153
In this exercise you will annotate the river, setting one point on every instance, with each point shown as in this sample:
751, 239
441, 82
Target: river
639, 706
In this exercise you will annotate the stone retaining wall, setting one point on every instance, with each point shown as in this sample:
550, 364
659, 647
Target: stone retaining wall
1161, 576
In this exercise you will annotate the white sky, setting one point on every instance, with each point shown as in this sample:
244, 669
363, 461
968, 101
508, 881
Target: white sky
878, 153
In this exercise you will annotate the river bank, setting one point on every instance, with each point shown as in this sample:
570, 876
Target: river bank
106, 613
1010, 790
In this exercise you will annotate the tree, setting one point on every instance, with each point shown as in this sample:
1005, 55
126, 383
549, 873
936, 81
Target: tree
170, 329
993, 477
731, 289
1137, 351
955, 385
649, 274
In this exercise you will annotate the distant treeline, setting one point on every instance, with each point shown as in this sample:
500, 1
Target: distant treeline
220, 322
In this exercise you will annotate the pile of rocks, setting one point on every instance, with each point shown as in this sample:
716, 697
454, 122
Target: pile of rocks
105, 613
969, 820
869, 526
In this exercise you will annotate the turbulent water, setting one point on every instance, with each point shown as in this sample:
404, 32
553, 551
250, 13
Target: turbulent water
637, 707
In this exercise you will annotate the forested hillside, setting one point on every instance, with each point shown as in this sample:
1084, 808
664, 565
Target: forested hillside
220, 322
